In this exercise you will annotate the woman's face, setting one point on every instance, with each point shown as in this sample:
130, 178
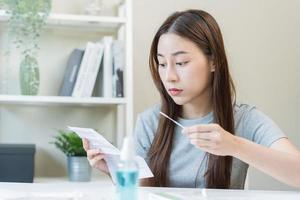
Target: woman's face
183, 68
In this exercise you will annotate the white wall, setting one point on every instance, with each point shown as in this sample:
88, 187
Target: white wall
263, 48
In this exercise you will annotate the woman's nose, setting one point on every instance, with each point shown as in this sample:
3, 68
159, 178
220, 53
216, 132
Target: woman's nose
171, 74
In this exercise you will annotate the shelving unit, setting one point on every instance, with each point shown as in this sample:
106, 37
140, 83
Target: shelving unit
59, 100
69, 108
65, 20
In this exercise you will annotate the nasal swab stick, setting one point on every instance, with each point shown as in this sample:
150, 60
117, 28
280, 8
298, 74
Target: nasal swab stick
171, 119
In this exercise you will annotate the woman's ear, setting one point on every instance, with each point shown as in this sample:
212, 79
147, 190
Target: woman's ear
212, 68
212, 63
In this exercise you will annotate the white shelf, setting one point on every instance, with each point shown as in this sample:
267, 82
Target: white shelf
65, 20
59, 100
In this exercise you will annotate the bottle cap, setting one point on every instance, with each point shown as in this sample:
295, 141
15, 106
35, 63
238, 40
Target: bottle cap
128, 150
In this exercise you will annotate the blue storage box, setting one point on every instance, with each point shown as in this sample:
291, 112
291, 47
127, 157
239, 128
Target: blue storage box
17, 162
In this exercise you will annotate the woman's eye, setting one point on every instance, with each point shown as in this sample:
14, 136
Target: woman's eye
181, 64
161, 65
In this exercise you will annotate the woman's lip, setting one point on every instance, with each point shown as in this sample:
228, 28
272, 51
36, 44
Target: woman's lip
175, 91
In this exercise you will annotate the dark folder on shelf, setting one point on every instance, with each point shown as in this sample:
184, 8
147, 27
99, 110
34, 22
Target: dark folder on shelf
71, 72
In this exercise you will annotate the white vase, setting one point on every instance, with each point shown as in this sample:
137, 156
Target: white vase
29, 76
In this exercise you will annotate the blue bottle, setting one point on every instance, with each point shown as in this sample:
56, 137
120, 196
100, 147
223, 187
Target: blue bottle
127, 173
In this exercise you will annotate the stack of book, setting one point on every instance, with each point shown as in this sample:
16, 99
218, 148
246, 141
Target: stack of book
95, 71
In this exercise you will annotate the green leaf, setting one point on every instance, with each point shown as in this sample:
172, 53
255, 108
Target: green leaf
26, 21
69, 143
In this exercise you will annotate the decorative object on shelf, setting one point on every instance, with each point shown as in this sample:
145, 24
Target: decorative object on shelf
71, 145
94, 7
26, 21
29, 76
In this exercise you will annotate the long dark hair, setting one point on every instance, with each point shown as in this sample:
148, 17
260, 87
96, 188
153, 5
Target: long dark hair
201, 28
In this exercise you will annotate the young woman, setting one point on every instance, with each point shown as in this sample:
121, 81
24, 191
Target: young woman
221, 138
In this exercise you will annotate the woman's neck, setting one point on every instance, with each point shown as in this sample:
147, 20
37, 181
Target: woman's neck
198, 107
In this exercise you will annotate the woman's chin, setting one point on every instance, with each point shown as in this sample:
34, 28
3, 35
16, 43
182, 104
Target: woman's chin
179, 100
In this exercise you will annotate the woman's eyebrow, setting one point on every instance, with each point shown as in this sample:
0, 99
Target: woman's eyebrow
173, 54
179, 52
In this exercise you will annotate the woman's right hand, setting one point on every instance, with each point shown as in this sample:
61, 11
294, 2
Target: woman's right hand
95, 157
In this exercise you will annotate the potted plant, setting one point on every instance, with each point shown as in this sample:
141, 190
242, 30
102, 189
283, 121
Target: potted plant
71, 145
26, 21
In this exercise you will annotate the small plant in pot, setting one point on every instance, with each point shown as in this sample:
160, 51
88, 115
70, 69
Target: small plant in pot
71, 145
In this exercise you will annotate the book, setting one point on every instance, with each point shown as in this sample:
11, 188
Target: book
83, 71
71, 72
98, 88
120, 83
93, 69
118, 68
107, 67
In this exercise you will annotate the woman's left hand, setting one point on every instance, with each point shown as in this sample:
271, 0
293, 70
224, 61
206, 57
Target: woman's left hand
212, 138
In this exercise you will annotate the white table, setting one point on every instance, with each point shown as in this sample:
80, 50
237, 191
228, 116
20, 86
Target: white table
104, 190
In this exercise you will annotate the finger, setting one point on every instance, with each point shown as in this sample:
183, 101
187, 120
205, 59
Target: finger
96, 159
91, 153
203, 143
201, 135
202, 147
85, 144
200, 128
